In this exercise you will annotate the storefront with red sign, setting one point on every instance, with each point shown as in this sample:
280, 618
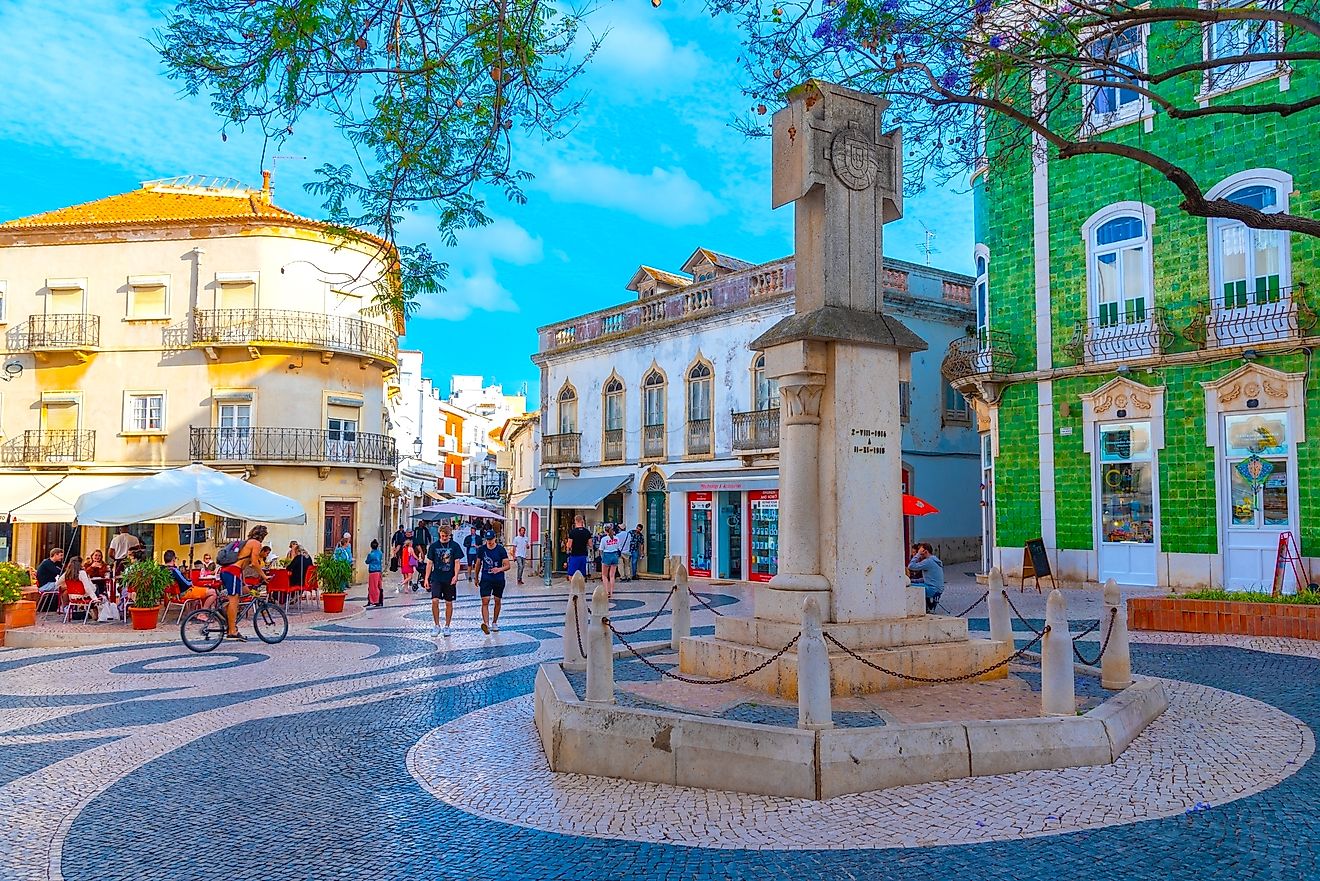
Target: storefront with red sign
700, 536
763, 544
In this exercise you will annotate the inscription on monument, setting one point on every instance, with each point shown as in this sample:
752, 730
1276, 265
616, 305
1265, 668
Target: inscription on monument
872, 442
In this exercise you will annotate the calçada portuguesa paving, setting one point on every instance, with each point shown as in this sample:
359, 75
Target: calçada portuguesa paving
363, 748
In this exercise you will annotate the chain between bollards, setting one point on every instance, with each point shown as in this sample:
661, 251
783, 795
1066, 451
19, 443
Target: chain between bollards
704, 603
577, 626
680, 678
984, 596
1113, 617
943, 679
658, 613
1019, 614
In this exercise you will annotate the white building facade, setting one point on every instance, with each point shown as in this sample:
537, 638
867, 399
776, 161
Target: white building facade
658, 413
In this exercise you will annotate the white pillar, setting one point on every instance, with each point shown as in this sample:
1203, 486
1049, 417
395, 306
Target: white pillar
1058, 696
799, 482
1116, 663
600, 650
813, 671
1001, 620
575, 624
681, 620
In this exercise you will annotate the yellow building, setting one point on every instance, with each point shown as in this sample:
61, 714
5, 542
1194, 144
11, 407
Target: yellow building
192, 320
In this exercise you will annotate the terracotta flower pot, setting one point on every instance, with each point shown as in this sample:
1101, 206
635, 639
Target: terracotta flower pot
145, 619
20, 614
332, 602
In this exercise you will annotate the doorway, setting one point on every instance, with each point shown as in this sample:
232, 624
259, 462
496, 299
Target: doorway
987, 503
1127, 494
1258, 469
730, 535
59, 535
340, 518
657, 524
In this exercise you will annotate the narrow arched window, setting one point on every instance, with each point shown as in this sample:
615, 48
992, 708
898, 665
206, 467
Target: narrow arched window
1120, 270
568, 413
765, 391
613, 393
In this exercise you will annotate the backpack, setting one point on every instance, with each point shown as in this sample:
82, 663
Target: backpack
228, 555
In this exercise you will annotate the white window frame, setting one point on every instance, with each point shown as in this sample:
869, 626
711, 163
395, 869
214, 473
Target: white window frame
1094, 121
65, 284
565, 425
1266, 71
982, 282
1283, 185
224, 278
131, 397
1093, 251
143, 281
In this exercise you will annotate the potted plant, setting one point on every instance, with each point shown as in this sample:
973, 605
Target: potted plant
18, 612
148, 583
333, 576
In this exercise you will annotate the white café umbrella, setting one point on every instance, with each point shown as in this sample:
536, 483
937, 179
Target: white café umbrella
457, 509
183, 492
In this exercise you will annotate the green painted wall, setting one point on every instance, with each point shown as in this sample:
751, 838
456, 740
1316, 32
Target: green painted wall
1017, 468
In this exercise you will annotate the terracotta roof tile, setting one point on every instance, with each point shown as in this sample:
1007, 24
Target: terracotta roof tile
158, 203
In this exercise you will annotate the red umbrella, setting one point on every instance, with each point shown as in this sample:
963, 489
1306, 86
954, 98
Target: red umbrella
915, 507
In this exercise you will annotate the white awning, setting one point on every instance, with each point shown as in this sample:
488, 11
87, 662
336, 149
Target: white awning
730, 480
49, 498
582, 493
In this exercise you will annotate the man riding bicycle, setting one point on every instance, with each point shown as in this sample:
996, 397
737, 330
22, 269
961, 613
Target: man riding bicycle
235, 579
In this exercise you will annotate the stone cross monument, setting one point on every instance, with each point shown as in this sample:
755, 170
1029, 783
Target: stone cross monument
839, 359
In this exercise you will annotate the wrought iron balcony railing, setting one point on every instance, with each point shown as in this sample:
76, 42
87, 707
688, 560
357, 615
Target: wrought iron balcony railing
44, 333
1119, 337
614, 451
311, 330
35, 447
756, 431
698, 437
1267, 314
986, 352
562, 449
312, 446
653, 441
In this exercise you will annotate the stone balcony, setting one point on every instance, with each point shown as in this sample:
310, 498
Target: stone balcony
254, 329
47, 447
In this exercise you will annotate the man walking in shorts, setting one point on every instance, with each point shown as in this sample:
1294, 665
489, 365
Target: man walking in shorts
492, 563
579, 545
522, 547
441, 564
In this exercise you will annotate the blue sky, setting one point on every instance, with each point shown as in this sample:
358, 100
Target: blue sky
651, 170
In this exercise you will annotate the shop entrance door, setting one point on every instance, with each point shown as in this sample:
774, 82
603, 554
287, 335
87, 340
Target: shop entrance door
1127, 494
656, 545
339, 518
730, 533
1261, 504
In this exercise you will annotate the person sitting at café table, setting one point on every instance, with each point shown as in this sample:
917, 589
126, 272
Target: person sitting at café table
95, 566
101, 609
299, 562
208, 566
48, 574
187, 590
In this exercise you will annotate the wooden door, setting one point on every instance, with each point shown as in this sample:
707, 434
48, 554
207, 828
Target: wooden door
340, 517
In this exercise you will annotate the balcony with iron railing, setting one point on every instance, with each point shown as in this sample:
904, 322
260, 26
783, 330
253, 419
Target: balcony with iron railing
56, 333
41, 447
699, 437
294, 329
614, 445
1266, 314
756, 431
653, 441
985, 353
1120, 336
562, 449
309, 446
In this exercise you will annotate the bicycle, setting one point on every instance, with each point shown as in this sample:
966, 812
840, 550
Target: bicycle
204, 629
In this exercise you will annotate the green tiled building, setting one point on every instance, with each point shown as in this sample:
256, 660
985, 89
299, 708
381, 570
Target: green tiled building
1143, 379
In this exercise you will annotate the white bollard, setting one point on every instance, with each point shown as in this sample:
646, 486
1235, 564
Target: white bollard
600, 650
681, 620
1116, 662
813, 671
1001, 619
1058, 694
575, 624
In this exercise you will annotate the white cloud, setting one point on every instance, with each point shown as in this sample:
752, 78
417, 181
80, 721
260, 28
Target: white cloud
640, 49
666, 196
473, 283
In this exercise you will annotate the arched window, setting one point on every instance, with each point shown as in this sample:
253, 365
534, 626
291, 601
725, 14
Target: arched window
568, 414
653, 415
1250, 267
613, 400
1119, 265
982, 292
699, 381
765, 391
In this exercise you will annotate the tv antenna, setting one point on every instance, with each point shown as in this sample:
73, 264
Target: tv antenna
930, 239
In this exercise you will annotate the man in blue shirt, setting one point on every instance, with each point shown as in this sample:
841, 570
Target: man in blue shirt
442, 563
492, 563
930, 573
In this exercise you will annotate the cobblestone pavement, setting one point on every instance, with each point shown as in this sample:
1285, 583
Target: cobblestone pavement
335, 754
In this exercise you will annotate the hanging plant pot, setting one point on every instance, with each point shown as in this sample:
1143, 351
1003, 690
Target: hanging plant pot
145, 619
333, 603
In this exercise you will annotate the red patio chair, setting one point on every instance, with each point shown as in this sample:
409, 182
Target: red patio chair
78, 599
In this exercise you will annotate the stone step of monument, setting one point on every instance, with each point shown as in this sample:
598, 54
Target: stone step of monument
883, 633
718, 659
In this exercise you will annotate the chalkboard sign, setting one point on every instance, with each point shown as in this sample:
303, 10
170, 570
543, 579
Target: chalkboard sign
1035, 563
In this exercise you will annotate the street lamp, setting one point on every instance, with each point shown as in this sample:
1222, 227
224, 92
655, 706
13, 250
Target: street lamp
550, 480
417, 447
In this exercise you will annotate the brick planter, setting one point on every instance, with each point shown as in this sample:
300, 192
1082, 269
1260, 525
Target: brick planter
1220, 616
